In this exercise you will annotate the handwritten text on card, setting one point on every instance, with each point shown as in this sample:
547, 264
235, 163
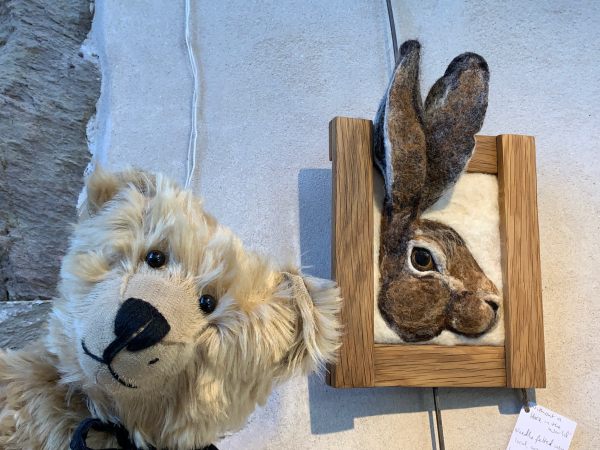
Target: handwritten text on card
541, 429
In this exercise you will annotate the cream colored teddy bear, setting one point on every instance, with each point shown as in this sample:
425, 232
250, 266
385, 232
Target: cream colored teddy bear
166, 332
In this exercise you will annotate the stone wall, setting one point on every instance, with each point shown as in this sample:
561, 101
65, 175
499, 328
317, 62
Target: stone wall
48, 92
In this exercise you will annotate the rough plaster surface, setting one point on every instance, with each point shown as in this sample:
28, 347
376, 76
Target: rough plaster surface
144, 110
48, 92
272, 77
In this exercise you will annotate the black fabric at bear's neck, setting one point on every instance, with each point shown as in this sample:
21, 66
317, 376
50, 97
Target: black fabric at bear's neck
78, 442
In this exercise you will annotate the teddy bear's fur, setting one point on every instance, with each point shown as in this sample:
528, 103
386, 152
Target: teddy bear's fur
192, 384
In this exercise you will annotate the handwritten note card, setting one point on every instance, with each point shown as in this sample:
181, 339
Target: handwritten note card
541, 429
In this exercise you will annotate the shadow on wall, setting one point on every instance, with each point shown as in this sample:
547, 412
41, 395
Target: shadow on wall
314, 196
333, 410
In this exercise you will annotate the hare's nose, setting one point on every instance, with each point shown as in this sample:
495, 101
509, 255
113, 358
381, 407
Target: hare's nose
493, 304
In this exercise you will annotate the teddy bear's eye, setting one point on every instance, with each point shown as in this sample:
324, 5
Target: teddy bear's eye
207, 303
422, 260
156, 259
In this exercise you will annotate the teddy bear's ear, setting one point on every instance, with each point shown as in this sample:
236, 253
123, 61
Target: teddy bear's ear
102, 186
317, 305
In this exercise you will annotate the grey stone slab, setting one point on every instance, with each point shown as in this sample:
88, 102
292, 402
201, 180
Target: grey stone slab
48, 91
22, 322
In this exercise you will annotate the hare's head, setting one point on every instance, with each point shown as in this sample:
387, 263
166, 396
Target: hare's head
167, 323
430, 282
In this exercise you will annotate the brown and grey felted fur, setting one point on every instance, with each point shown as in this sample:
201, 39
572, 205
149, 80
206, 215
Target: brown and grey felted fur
421, 150
206, 372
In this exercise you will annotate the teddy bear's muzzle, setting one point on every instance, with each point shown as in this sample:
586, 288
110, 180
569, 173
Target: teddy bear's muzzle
138, 326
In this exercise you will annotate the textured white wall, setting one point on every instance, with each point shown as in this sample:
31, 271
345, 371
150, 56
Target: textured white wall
272, 75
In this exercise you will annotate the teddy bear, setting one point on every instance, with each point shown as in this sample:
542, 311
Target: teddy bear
165, 333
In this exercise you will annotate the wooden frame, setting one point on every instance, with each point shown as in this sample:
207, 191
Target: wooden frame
520, 363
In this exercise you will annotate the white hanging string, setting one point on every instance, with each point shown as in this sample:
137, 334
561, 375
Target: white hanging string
191, 156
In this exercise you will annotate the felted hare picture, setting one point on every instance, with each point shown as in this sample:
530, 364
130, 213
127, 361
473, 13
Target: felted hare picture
438, 226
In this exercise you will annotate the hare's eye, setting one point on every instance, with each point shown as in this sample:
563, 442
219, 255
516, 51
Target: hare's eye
422, 260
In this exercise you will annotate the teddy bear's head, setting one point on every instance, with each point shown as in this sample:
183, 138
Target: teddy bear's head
168, 325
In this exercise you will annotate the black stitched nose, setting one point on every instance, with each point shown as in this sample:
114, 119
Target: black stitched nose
138, 325
142, 322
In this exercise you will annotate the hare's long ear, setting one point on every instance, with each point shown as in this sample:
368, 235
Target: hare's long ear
454, 112
399, 144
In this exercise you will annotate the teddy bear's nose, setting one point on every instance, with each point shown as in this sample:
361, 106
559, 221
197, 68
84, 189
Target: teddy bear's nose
139, 325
